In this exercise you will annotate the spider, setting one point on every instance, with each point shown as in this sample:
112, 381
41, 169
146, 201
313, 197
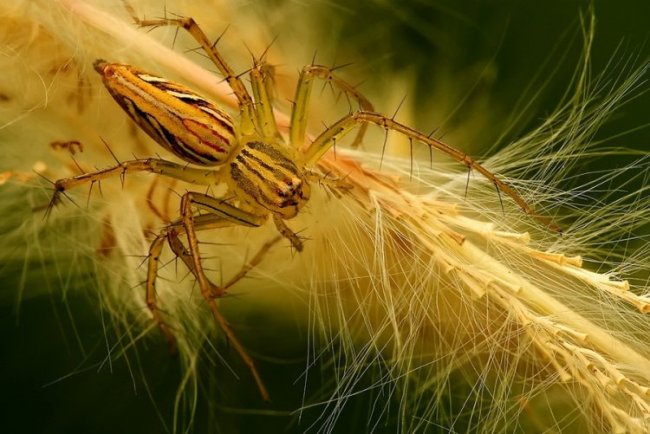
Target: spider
266, 174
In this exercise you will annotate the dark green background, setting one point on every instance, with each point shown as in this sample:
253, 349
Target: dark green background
38, 346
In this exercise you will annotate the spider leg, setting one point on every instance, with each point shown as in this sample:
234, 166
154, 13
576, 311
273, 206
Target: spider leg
234, 81
151, 299
181, 252
153, 165
286, 232
171, 233
248, 266
208, 221
346, 124
301, 102
262, 85
152, 206
235, 216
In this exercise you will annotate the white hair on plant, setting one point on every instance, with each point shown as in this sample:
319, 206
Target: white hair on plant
406, 279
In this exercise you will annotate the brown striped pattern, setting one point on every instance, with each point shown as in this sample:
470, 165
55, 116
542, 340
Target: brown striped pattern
178, 119
270, 178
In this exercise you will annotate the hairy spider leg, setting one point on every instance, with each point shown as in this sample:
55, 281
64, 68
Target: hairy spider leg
300, 112
150, 202
152, 165
261, 80
346, 124
235, 216
246, 106
171, 234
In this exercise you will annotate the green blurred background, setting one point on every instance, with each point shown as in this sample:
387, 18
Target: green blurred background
52, 382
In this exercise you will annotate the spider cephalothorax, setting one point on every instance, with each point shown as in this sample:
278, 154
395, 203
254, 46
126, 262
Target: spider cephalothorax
262, 174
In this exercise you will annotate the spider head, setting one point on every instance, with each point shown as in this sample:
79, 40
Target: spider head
264, 174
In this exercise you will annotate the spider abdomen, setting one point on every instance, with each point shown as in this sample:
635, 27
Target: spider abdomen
263, 174
180, 120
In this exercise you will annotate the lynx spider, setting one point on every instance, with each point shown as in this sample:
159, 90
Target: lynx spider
266, 175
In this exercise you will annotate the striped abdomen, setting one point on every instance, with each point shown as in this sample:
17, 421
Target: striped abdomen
262, 174
178, 119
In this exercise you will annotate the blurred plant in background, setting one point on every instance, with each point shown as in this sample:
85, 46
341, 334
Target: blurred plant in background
413, 308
